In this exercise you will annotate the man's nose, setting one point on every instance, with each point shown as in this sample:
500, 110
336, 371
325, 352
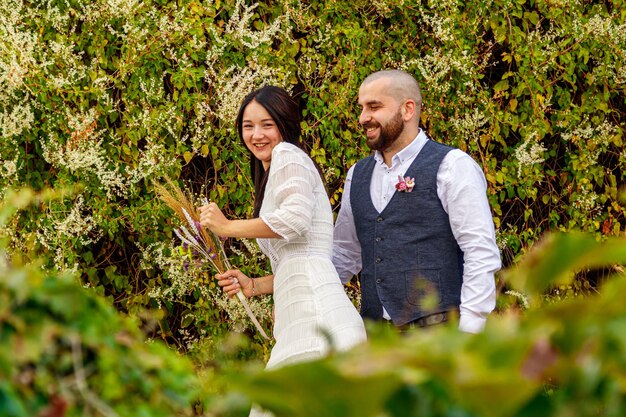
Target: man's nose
364, 117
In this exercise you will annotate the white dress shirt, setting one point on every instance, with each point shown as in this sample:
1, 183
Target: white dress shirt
461, 188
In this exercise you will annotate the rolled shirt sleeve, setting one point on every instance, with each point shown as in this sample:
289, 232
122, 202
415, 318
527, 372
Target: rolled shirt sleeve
462, 189
346, 246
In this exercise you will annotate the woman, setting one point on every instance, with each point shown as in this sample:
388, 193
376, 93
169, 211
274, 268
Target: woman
294, 226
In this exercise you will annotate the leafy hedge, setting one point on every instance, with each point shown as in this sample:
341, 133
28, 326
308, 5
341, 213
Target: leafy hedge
66, 352
103, 98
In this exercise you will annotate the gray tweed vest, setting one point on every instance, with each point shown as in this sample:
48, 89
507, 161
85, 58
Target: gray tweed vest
412, 264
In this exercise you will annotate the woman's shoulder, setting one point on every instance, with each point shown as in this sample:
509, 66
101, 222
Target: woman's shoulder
286, 147
285, 154
290, 151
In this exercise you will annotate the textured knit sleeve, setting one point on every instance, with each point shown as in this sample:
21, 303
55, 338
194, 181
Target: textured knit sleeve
292, 182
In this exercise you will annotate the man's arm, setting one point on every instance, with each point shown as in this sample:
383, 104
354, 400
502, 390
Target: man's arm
462, 189
346, 246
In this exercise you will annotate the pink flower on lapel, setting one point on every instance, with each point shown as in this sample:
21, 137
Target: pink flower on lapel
405, 185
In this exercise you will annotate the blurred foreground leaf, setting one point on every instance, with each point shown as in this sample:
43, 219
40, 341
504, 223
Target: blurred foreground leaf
558, 256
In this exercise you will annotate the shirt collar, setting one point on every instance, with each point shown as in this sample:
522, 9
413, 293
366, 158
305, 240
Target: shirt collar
407, 153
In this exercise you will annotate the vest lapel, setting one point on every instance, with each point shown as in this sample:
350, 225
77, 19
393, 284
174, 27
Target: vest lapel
364, 178
410, 172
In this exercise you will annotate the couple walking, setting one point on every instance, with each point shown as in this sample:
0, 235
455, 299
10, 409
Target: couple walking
414, 220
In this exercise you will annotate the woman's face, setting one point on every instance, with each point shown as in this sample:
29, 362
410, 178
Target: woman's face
260, 132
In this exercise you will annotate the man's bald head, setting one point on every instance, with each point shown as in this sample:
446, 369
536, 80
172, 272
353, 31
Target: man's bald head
402, 85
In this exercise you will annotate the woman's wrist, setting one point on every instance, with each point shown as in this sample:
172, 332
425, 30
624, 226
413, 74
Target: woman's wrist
253, 287
256, 286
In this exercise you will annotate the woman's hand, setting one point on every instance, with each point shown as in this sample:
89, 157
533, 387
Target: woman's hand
233, 281
212, 218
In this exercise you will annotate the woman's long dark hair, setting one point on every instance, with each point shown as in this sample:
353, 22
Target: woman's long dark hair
286, 114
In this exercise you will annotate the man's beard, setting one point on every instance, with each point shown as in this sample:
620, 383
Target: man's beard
389, 133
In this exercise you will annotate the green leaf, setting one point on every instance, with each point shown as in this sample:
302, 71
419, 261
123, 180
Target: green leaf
275, 390
554, 260
501, 86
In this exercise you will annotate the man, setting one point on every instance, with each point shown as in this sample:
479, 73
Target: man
414, 218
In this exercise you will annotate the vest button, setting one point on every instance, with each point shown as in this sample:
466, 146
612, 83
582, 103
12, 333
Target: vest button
378, 281
379, 219
379, 260
378, 238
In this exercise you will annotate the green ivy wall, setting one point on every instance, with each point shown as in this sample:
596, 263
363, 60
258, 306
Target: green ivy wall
100, 99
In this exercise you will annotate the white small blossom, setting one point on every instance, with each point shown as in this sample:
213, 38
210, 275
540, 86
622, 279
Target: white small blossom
529, 152
470, 125
523, 299
235, 83
18, 118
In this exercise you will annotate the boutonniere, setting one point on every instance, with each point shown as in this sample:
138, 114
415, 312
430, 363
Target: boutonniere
405, 185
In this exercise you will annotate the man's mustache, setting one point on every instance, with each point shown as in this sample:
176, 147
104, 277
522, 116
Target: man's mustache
368, 125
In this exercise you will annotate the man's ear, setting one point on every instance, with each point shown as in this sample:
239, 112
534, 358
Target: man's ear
408, 109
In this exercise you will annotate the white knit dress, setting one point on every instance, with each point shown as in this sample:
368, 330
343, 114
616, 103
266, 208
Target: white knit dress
311, 306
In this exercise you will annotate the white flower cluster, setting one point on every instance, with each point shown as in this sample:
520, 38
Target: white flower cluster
599, 26
200, 127
260, 306
8, 172
83, 152
58, 229
312, 66
384, 7
565, 4
8, 231
601, 135
96, 10
436, 71
470, 126
58, 19
75, 224
153, 120
501, 239
548, 40
529, 152
612, 36
586, 200
153, 88
17, 47
233, 83
240, 26
152, 160
180, 282
252, 249
16, 118
72, 69
123, 7
442, 26
591, 140
443, 66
